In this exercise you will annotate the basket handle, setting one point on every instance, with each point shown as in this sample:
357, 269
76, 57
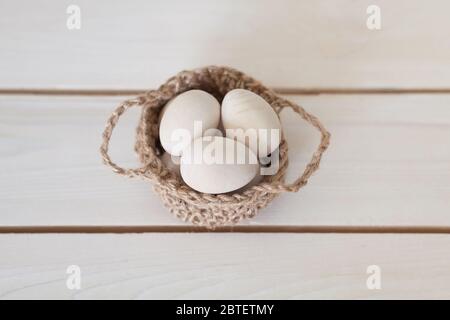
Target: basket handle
313, 164
110, 125
311, 167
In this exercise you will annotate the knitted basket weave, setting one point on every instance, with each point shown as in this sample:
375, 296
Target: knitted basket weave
187, 204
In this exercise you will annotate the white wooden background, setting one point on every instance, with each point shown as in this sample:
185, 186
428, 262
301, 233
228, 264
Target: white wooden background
384, 95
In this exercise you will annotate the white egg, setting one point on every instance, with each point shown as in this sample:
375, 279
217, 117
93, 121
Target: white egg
250, 119
186, 117
213, 164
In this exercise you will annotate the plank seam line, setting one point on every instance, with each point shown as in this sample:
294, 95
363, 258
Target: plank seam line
238, 229
280, 90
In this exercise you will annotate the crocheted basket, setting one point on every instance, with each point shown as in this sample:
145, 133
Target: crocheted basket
187, 204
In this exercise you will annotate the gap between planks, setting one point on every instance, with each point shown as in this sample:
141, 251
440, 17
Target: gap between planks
292, 91
227, 229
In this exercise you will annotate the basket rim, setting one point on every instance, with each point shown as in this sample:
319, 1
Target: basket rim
170, 180
209, 78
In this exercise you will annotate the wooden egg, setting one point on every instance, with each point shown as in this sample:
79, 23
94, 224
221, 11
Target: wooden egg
250, 119
214, 164
180, 118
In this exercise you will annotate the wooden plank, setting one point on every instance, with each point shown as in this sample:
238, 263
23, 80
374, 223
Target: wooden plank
224, 266
388, 164
285, 43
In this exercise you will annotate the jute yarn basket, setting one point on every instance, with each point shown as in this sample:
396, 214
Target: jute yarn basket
202, 209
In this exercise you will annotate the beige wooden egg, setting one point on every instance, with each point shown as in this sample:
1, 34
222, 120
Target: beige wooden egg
186, 117
250, 119
214, 164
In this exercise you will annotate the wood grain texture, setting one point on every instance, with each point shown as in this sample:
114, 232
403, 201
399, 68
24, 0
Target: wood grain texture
224, 266
287, 43
388, 164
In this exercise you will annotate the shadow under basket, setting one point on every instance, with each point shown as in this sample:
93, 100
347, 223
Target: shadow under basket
202, 209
